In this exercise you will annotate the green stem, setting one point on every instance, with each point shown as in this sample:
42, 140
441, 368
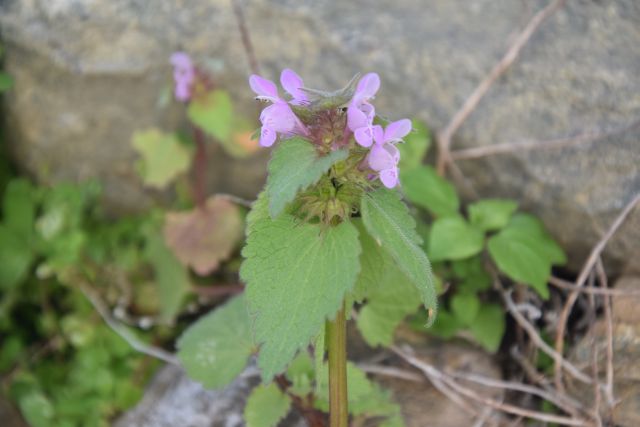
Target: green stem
337, 346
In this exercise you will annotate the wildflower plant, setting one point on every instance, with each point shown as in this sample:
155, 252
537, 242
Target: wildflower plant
328, 216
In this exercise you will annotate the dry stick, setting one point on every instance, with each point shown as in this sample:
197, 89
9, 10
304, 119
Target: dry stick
608, 389
124, 333
444, 137
573, 296
489, 150
246, 39
563, 284
535, 337
235, 199
597, 395
432, 372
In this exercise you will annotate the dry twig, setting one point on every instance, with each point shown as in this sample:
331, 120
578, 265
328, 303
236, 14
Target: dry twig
582, 277
608, 389
563, 284
246, 38
444, 137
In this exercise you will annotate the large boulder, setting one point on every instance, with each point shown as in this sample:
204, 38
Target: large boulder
89, 73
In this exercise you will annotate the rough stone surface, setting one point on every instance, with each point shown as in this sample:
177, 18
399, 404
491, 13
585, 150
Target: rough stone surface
89, 72
172, 399
626, 351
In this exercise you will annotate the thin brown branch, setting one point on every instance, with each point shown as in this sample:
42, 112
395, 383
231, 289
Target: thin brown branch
563, 284
235, 199
490, 150
582, 277
123, 332
536, 339
608, 389
444, 137
246, 38
431, 372
217, 290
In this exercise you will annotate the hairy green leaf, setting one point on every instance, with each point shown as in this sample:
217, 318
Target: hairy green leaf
389, 293
163, 157
488, 326
452, 238
415, 146
266, 406
213, 112
388, 221
297, 276
491, 214
425, 188
215, 349
294, 166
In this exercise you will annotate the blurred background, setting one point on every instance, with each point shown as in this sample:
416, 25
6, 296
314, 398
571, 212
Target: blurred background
85, 76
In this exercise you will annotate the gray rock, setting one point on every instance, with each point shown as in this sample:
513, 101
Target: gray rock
89, 73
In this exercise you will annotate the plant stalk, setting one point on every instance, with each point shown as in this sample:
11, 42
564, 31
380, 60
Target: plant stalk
336, 338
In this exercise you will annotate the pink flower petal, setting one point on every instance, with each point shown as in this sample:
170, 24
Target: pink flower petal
389, 177
378, 134
364, 136
291, 82
267, 137
265, 89
380, 159
397, 130
367, 86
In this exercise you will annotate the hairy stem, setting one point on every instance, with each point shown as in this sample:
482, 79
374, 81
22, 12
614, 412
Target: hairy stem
336, 339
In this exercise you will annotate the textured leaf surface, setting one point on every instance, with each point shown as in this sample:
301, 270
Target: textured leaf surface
203, 237
388, 221
390, 295
266, 406
425, 188
171, 276
294, 166
297, 276
215, 349
452, 238
163, 157
213, 112
491, 214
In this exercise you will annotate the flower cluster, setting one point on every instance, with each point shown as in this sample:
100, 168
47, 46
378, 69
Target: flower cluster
280, 119
184, 74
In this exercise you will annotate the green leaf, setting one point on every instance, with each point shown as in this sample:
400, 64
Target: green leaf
294, 166
488, 326
390, 295
215, 349
297, 276
388, 221
445, 326
163, 157
301, 374
364, 398
6, 82
452, 238
213, 112
266, 406
16, 256
522, 257
37, 409
491, 214
465, 306
425, 188
171, 277
473, 274
547, 246
19, 206
415, 146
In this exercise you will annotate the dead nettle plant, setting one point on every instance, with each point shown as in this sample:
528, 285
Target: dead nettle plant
328, 231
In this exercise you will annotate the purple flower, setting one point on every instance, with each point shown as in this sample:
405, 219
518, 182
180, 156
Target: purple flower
183, 75
384, 156
279, 118
360, 113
